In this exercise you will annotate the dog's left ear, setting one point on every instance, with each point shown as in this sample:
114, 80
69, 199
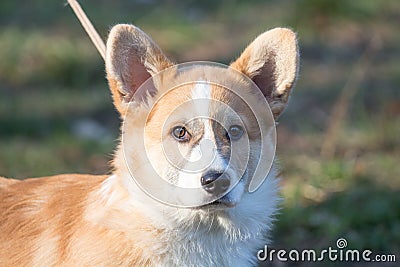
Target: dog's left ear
272, 62
131, 58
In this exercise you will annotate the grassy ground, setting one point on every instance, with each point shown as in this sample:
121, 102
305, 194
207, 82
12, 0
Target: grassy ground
53, 97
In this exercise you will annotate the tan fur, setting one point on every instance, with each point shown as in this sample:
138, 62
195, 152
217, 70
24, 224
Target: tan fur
271, 60
85, 220
62, 221
131, 62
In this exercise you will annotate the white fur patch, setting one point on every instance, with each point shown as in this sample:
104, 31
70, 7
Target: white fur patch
46, 249
202, 90
195, 154
107, 192
189, 180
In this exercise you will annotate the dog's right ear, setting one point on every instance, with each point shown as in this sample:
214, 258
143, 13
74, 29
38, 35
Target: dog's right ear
131, 58
272, 62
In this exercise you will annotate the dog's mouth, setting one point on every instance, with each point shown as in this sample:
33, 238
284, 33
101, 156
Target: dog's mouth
222, 203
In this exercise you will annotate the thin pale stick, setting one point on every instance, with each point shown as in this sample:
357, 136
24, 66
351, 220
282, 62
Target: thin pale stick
88, 26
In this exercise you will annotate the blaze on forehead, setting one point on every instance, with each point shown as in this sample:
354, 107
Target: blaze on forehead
220, 90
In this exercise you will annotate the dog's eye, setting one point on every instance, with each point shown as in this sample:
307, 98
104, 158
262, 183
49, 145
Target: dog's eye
181, 134
235, 132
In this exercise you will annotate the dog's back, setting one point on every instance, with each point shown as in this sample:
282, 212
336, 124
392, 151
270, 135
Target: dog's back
42, 211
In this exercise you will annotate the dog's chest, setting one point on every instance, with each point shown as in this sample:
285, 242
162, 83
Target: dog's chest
205, 249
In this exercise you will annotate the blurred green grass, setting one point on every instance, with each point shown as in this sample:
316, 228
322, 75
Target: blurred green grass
52, 84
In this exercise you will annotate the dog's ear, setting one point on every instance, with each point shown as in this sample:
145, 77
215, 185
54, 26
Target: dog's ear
272, 62
131, 58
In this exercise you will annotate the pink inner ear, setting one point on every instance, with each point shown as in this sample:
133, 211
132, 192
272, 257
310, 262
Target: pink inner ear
137, 76
264, 79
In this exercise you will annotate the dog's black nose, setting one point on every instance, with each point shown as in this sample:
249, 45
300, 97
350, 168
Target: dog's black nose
215, 182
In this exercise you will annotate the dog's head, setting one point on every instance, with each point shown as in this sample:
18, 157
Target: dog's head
196, 127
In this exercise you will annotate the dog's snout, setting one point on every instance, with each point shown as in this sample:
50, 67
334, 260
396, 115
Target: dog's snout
215, 182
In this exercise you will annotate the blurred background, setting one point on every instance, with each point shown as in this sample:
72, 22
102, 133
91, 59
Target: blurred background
339, 140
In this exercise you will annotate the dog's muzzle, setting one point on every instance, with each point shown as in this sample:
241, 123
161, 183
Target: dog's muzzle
216, 183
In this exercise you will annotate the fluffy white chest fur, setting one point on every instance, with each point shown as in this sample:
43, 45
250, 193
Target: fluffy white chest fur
206, 238
223, 242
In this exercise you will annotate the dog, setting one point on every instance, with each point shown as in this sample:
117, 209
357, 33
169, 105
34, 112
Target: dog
111, 220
